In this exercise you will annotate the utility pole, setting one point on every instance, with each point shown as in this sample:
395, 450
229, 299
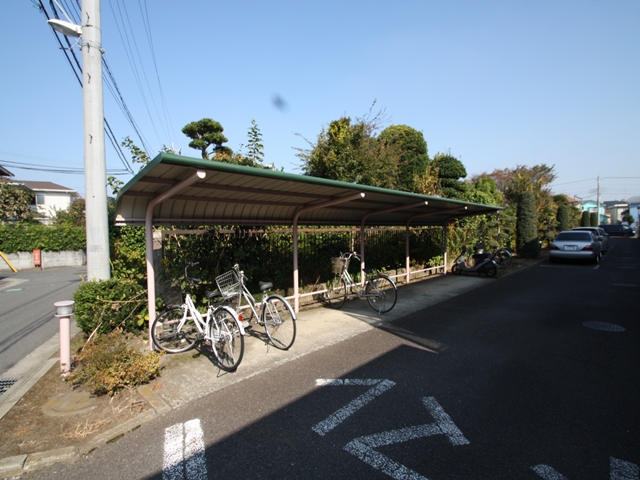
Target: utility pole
95, 165
95, 169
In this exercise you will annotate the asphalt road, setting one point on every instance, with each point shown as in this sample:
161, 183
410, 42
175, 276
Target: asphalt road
27, 312
505, 381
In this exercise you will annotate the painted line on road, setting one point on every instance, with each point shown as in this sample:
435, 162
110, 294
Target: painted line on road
619, 470
332, 421
364, 447
184, 452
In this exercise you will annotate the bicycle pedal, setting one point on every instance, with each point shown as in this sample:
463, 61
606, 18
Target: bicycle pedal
200, 337
246, 324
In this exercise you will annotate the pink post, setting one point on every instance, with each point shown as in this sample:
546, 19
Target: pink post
64, 310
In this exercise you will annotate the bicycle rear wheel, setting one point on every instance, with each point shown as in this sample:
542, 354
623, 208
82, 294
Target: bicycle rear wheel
336, 292
381, 293
504, 256
174, 332
227, 341
279, 322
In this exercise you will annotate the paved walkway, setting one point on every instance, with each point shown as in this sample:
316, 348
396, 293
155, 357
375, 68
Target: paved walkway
316, 329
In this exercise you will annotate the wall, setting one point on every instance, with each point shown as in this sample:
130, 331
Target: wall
24, 260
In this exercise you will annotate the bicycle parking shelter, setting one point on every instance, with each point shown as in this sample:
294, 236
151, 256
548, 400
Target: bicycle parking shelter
178, 190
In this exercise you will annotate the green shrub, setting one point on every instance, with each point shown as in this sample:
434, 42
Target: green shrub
105, 305
107, 364
28, 237
527, 243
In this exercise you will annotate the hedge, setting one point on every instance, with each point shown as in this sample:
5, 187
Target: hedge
16, 238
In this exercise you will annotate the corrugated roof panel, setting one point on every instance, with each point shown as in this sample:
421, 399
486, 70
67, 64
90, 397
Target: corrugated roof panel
237, 194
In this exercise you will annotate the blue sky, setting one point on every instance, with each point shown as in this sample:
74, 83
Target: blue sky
495, 83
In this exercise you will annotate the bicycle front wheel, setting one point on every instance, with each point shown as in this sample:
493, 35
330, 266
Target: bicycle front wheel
279, 322
227, 341
336, 292
381, 293
174, 332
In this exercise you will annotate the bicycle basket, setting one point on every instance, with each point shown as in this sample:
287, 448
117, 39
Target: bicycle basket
228, 284
339, 264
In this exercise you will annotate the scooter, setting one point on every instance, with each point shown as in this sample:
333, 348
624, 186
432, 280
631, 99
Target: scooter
484, 263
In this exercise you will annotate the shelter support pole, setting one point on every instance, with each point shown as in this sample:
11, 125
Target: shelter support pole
379, 212
296, 218
148, 225
444, 247
407, 258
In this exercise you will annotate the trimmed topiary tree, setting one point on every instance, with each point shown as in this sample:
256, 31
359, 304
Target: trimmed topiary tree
593, 219
527, 243
564, 221
585, 221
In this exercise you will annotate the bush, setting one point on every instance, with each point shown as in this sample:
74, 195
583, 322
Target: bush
527, 242
28, 237
107, 364
105, 305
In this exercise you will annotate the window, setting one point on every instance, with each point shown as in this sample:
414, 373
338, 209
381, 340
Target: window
39, 198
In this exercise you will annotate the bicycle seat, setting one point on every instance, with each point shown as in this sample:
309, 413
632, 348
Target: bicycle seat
368, 271
212, 295
265, 286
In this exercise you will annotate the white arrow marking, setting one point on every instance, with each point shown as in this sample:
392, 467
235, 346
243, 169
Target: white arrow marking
184, 452
619, 470
335, 419
363, 447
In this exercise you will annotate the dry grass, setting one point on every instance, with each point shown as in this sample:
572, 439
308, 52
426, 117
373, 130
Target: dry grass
85, 429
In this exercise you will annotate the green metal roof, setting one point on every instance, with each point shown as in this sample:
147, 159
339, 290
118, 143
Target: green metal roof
233, 195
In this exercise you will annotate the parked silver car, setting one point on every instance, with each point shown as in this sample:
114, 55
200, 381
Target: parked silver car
576, 244
600, 234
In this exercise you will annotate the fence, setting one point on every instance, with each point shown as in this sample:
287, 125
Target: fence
266, 254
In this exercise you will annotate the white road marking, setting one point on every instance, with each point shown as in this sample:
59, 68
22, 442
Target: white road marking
364, 447
184, 452
332, 421
619, 470
548, 473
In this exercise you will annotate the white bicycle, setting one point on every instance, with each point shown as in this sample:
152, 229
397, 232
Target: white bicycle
180, 328
273, 312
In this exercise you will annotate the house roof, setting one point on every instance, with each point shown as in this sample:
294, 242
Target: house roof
4, 172
222, 193
45, 187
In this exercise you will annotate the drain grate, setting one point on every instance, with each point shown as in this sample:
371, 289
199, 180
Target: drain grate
604, 326
6, 384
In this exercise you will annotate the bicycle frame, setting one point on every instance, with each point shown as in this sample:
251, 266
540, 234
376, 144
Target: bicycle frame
352, 286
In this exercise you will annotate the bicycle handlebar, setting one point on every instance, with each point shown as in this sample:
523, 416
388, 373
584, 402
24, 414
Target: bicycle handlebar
349, 255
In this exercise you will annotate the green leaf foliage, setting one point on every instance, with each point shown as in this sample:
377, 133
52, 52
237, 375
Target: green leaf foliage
104, 305
28, 237
15, 202
563, 217
527, 242
413, 154
204, 134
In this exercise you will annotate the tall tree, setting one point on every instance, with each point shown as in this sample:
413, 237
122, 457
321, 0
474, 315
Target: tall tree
349, 151
255, 149
414, 157
206, 133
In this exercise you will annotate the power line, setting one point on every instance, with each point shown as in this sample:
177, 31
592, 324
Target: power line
54, 169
